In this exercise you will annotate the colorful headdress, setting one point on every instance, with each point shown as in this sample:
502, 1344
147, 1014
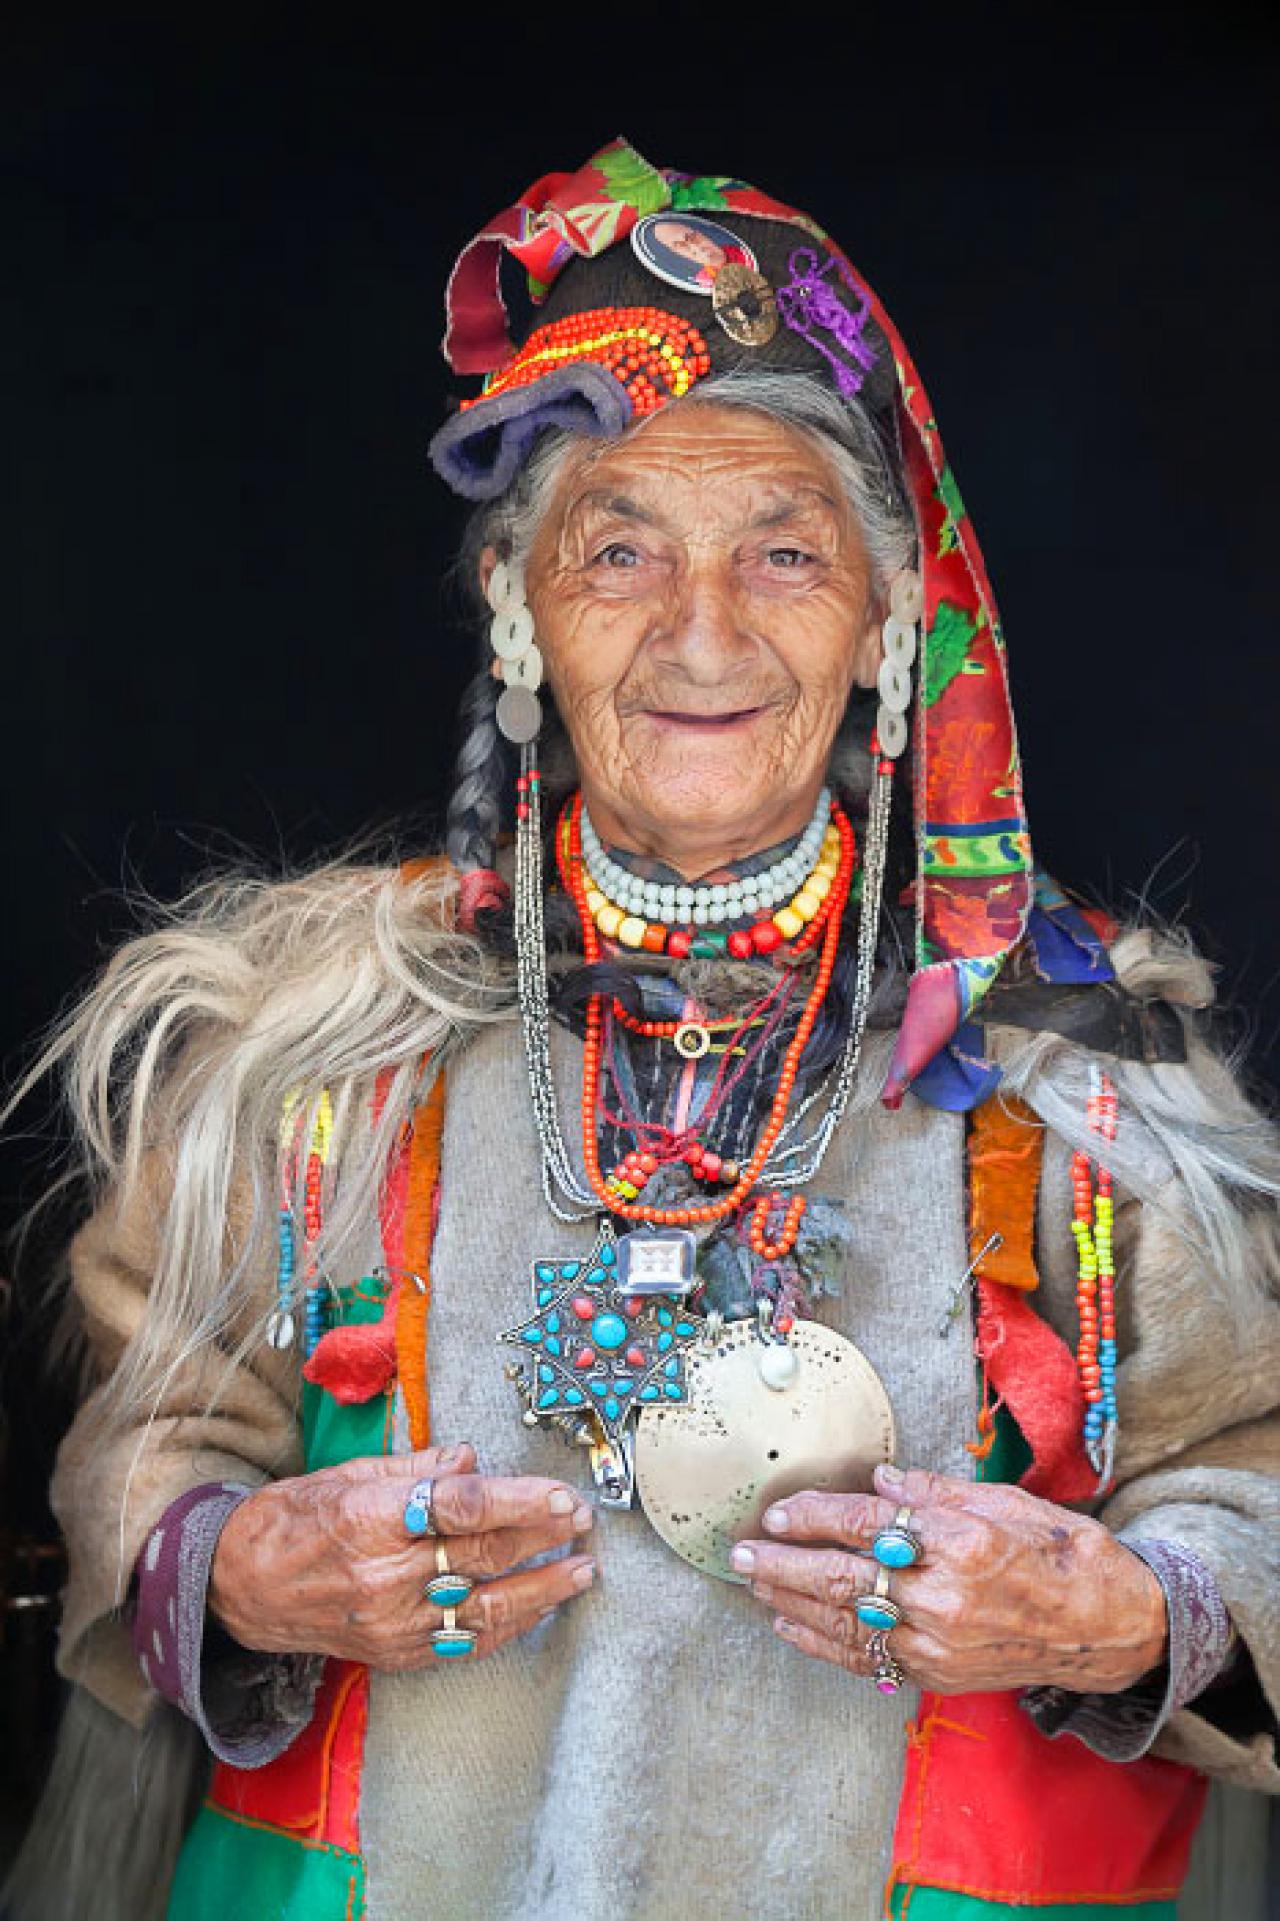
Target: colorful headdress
649, 280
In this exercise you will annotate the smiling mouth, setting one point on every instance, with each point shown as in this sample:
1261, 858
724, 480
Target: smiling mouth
714, 721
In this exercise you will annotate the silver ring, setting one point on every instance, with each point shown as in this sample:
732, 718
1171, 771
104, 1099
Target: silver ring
418, 1517
877, 1610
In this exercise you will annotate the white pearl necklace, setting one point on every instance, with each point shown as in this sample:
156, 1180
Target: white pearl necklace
708, 905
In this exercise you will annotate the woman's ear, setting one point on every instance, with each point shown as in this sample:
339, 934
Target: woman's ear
869, 646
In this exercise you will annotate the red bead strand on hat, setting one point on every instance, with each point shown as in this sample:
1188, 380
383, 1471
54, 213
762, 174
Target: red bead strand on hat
655, 355
592, 1046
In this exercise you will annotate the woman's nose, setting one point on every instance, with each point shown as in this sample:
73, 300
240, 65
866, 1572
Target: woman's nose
707, 637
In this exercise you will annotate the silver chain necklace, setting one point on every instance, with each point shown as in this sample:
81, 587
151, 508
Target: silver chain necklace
560, 1181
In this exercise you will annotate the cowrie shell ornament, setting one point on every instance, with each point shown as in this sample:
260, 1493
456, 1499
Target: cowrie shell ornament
900, 639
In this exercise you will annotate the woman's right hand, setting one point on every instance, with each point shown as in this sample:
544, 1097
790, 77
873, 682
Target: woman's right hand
323, 1564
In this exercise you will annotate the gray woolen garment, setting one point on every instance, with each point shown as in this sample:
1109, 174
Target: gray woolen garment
654, 1750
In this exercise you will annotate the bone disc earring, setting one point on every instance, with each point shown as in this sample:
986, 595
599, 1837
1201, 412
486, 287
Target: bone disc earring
519, 711
900, 636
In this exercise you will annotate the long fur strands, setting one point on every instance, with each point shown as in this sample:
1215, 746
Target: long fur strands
1190, 1122
177, 1063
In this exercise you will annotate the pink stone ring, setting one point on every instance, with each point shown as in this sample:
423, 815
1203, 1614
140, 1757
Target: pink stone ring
887, 1675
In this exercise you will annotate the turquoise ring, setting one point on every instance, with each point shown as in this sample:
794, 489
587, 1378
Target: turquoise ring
447, 1590
897, 1546
876, 1610
450, 1641
417, 1509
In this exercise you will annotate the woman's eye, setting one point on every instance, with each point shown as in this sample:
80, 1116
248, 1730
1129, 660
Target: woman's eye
617, 554
788, 557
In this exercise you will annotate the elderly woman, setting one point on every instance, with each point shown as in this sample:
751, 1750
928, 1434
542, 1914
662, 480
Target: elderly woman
717, 1362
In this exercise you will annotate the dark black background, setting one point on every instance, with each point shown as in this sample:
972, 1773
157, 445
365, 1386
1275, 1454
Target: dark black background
225, 251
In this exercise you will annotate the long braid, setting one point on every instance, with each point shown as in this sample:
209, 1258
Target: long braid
475, 805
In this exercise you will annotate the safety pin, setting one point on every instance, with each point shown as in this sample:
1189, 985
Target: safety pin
956, 1303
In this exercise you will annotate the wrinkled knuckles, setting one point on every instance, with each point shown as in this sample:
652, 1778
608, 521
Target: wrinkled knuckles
844, 1581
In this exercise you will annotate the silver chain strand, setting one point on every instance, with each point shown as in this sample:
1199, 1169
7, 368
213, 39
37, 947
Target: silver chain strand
534, 998
873, 867
535, 1008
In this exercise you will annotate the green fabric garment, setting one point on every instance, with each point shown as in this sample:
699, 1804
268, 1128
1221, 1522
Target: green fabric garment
290, 1879
332, 1432
939, 1904
295, 1881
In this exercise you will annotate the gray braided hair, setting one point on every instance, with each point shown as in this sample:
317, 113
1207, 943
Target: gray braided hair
475, 805
847, 434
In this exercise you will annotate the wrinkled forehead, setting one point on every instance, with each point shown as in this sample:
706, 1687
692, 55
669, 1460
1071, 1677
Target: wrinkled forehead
701, 467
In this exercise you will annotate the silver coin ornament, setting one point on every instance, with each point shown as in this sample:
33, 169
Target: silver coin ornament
519, 715
707, 1469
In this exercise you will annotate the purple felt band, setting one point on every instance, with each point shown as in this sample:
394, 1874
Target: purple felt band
480, 451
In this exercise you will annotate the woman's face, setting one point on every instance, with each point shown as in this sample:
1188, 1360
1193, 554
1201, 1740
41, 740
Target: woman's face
701, 595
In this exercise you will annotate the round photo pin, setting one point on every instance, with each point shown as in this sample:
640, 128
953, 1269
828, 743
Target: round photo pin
688, 251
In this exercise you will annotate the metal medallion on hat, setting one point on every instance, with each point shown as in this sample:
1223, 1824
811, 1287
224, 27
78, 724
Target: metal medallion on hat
745, 305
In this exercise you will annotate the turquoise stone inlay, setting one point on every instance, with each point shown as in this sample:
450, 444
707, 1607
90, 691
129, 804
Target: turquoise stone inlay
531, 1334
609, 1330
649, 1393
553, 1345
665, 1317
596, 1277
415, 1517
449, 1590
674, 1393
574, 1396
545, 1294
672, 1367
452, 1645
546, 1373
611, 1408
608, 1255
894, 1547
872, 1615
664, 1342
570, 1269
545, 1271
549, 1397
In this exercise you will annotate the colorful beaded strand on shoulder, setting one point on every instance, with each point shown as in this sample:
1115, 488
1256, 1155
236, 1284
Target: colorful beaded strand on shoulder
1092, 1222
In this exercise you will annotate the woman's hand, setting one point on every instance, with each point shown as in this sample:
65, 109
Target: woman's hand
1009, 1592
324, 1564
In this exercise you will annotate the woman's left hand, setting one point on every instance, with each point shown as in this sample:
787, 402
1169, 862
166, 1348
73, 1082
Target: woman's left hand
1009, 1591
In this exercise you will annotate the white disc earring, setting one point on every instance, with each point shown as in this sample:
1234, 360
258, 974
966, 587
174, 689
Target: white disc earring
519, 711
900, 639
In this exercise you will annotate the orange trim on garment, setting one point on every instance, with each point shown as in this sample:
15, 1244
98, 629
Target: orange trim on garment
991, 1808
419, 1232
1006, 1149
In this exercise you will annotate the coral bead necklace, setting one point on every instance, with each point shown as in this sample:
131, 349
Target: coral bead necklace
569, 849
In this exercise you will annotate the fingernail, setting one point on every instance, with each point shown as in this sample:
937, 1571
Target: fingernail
451, 1457
560, 1501
762, 1590
743, 1558
890, 1477
584, 1576
583, 1518
787, 1629
777, 1520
